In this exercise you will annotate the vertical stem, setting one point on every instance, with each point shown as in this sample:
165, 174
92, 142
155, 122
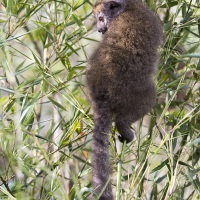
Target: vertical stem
119, 170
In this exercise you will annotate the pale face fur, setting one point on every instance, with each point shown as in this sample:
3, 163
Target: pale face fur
107, 11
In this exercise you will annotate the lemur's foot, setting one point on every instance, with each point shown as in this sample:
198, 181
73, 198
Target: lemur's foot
128, 137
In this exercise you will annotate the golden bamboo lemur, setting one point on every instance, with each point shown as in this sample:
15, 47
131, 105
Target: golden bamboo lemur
120, 76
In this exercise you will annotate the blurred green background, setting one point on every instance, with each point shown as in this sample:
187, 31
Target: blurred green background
46, 121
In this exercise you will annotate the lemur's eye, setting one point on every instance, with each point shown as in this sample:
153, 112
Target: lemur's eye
101, 19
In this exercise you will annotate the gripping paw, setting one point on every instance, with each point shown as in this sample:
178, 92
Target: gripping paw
128, 138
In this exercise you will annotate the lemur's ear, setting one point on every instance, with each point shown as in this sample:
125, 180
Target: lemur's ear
113, 5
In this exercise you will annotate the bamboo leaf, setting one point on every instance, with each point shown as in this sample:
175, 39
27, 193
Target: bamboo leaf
57, 104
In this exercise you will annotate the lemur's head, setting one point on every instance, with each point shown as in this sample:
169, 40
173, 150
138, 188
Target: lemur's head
107, 10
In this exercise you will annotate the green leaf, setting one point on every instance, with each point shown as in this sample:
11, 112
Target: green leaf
195, 142
183, 10
198, 65
36, 59
57, 104
70, 47
187, 17
154, 193
195, 55
29, 118
169, 4
77, 20
72, 194
159, 167
48, 45
7, 90
3, 190
45, 85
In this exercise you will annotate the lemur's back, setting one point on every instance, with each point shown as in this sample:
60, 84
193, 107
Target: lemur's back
126, 60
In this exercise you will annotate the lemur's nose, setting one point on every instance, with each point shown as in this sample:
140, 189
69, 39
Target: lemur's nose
102, 30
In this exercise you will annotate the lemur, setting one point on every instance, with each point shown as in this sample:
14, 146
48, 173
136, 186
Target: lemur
119, 77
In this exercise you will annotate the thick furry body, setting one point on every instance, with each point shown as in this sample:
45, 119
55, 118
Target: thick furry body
120, 82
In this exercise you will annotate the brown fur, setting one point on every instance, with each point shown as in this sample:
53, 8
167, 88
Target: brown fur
120, 78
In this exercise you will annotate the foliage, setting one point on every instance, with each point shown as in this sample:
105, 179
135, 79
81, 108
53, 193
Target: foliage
45, 118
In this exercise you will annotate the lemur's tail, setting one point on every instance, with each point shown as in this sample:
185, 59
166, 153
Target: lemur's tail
101, 158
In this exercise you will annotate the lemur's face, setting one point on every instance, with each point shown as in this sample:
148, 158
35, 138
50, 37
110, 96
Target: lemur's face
105, 11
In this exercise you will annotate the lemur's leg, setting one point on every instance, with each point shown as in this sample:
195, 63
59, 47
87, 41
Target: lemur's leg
123, 125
